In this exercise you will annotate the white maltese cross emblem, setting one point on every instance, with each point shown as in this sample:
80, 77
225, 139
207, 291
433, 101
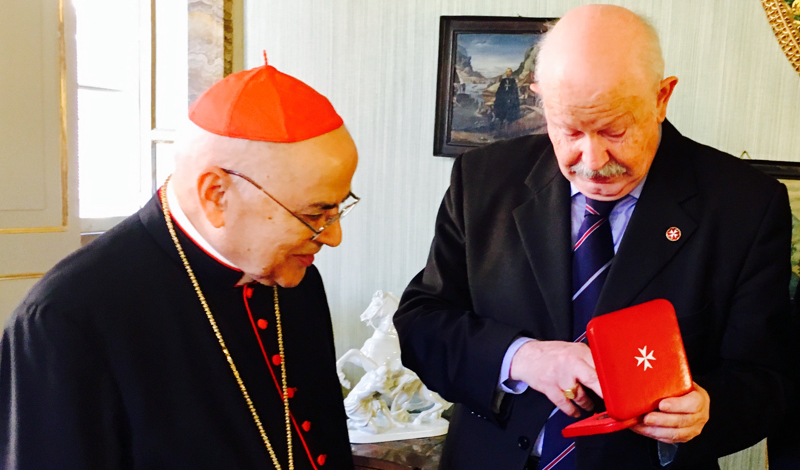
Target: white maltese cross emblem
673, 234
646, 358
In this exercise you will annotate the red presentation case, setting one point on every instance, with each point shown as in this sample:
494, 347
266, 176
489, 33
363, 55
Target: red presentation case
640, 360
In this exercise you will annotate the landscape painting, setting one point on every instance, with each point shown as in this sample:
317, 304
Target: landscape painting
486, 69
492, 98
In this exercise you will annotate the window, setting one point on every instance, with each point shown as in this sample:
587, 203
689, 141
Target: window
132, 94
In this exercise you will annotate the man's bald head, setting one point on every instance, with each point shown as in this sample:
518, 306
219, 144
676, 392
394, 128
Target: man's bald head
198, 151
599, 75
606, 42
196, 148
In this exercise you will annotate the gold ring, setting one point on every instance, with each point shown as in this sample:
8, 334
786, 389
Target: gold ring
571, 393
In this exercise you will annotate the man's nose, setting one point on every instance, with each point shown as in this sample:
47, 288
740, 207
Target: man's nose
332, 235
594, 154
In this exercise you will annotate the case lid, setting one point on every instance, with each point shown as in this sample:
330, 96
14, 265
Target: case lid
599, 423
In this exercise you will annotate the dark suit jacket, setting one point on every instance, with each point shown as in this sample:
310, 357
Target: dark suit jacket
783, 444
499, 267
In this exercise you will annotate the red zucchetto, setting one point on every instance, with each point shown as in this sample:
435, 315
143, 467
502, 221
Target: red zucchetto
264, 104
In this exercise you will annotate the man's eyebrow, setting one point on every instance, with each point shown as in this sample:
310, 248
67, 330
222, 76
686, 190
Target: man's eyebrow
326, 206
323, 205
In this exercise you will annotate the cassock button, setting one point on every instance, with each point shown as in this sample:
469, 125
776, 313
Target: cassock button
263, 325
291, 391
276, 359
306, 424
524, 442
321, 459
248, 291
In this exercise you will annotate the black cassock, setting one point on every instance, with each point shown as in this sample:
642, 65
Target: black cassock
111, 363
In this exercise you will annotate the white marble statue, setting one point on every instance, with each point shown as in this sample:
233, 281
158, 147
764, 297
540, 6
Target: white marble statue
389, 402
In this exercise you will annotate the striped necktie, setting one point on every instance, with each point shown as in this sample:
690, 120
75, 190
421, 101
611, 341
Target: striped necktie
591, 259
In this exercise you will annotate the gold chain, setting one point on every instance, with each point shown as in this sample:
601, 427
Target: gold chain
227, 353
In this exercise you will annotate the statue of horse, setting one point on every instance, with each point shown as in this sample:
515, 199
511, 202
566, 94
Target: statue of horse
389, 398
384, 346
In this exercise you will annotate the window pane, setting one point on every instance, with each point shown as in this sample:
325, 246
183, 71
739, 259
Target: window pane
109, 148
109, 168
107, 41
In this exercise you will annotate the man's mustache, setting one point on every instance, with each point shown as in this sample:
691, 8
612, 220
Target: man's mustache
612, 168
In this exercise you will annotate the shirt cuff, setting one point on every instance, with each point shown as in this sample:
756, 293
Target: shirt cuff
666, 453
505, 384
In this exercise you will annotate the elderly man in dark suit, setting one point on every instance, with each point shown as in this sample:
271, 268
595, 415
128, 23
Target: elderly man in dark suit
536, 235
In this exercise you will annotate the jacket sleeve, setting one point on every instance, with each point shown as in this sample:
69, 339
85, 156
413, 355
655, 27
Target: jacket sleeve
749, 388
456, 351
57, 402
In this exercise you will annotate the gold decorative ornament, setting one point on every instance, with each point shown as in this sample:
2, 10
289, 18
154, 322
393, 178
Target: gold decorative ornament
228, 357
784, 17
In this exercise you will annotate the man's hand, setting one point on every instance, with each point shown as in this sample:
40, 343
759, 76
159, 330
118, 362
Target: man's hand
551, 367
679, 419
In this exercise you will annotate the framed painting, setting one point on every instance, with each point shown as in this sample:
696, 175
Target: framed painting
788, 173
486, 66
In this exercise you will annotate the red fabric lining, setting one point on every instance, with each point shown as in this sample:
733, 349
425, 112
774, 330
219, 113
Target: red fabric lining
274, 378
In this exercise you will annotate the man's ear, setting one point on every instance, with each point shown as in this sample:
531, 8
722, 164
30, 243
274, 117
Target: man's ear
665, 89
212, 185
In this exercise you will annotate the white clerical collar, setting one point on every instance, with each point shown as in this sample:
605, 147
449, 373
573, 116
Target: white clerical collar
189, 229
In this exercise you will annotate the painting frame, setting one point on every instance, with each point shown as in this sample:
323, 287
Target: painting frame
778, 169
787, 173
449, 29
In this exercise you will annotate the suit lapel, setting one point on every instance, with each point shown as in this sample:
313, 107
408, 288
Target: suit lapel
645, 248
544, 226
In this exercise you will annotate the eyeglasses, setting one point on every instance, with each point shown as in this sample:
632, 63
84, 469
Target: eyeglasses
343, 211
